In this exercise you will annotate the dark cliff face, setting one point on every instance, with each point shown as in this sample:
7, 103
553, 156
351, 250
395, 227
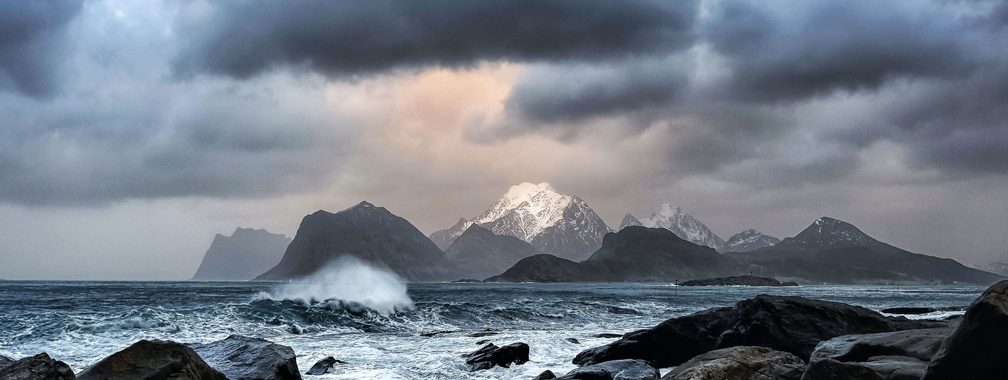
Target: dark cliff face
242, 256
479, 253
834, 251
633, 254
368, 232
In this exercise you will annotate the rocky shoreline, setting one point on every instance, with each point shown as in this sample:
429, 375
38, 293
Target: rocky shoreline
765, 337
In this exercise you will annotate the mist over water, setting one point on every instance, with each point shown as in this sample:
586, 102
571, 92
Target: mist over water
349, 282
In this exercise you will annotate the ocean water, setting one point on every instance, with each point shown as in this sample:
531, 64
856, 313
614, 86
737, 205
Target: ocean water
385, 330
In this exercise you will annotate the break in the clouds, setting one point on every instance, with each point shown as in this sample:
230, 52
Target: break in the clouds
748, 113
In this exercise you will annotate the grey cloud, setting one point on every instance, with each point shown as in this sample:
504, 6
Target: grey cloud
31, 38
245, 38
817, 47
557, 93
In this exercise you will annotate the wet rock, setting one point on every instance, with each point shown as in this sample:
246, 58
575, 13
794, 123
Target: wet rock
784, 323
242, 357
608, 335
740, 363
573, 340
897, 367
829, 369
485, 332
324, 366
40, 366
921, 344
152, 359
490, 355
545, 375
918, 310
977, 347
627, 369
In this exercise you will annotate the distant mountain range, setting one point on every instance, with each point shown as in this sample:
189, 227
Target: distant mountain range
834, 251
829, 250
634, 253
685, 226
560, 224
242, 256
533, 233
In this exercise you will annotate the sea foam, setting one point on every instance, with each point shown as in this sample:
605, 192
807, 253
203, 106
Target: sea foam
348, 280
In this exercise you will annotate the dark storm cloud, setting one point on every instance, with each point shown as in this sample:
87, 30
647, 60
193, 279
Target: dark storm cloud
817, 47
345, 38
561, 93
31, 38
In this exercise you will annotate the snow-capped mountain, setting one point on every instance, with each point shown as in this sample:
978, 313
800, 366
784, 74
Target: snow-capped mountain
748, 240
679, 222
552, 222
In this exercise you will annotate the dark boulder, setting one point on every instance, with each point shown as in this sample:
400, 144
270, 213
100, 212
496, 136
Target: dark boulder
152, 359
242, 357
977, 347
829, 369
921, 344
627, 369
545, 375
490, 355
897, 367
740, 363
324, 366
573, 340
40, 366
791, 324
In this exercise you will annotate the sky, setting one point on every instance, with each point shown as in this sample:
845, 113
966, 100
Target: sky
131, 132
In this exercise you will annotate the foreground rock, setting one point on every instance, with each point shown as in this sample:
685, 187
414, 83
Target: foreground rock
791, 324
829, 369
627, 369
740, 363
920, 344
977, 347
324, 366
736, 281
241, 357
152, 359
40, 366
490, 355
545, 375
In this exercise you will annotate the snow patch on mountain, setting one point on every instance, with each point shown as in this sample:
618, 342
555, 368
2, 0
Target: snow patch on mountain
681, 223
748, 240
552, 222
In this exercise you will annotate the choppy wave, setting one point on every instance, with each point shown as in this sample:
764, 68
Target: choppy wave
348, 284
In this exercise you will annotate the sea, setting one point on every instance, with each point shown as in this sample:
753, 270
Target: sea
384, 328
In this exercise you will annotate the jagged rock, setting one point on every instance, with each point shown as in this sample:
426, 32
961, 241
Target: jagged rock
977, 347
490, 355
573, 340
608, 335
324, 366
740, 363
921, 344
627, 369
545, 375
152, 359
40, 366
242, 357
829, 369
791, 324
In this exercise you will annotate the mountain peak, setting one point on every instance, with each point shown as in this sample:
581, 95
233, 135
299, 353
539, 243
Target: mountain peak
748, 240
684, 225
538, 214
827, 231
